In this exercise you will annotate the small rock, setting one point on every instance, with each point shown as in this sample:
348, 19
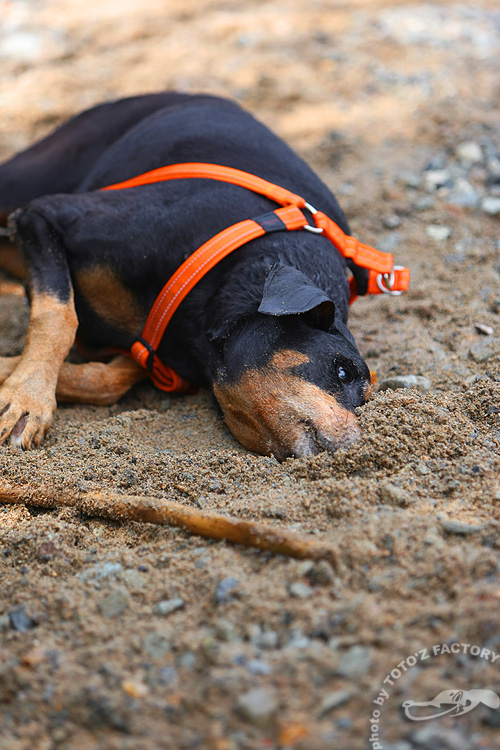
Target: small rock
304, 568
135, 688
391, 222
355, 662
491, 205
259, 666
114, 603
390, 494
432, 737
438, 232
187, 660
20, 620
419, 382
485, 349
226, 631
333, 700
166, 606
300, 590
226, 590
463, 194
469, 152
435, 178
258, 707
4, 622
484, 329
156, 645
459, 528
322, 573
167, 676
268, 639
100, 572
423, 203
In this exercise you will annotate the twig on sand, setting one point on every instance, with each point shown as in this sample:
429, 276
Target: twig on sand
170, 513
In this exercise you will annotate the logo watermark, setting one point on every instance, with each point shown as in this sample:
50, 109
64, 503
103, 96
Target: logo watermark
453, 702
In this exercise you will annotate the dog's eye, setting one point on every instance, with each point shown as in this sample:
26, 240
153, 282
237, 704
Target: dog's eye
344, 374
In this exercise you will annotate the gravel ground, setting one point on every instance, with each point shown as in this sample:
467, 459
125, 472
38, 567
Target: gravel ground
129, 636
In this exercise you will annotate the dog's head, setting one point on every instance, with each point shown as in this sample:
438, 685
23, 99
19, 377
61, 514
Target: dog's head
289, 378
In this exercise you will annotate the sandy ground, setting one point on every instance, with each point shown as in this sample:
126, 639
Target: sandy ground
133, 637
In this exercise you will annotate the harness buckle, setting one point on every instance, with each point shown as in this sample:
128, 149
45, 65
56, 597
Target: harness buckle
385, 282
314, 230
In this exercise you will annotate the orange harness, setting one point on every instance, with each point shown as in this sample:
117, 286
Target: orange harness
384, 276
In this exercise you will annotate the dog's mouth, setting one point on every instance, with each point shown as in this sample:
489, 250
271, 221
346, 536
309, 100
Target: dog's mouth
279, 414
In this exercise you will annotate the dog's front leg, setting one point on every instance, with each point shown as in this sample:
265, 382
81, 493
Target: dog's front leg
27, 397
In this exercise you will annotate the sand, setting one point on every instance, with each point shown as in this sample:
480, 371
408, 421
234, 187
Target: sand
133, 636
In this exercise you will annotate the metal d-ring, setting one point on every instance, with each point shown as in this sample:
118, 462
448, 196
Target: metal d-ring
385, 282
315, 230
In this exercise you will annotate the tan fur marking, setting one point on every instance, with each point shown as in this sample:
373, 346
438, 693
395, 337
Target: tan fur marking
287, 358
98, 383
27, 397
274, 413
110, 298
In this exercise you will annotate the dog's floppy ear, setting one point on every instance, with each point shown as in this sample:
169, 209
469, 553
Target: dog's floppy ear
288, 292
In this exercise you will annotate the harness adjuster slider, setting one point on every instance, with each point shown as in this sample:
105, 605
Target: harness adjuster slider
385, 282
309, 227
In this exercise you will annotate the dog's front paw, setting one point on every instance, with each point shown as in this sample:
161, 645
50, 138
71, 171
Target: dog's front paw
24, 417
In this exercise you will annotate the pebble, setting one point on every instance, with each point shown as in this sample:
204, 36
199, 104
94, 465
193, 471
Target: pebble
435, 178
259, 666
166, 606
114, 603
167, 676
438, 232
258, 707
491, 205
485, 349
300, 590
333, 700
390, 494
484, 329
355, 662
391, 222
4, 622
432, 737
20, 620
469, 152
156, 644
463, 194
268, 639
322, 573
423, 202
187, 660
459, 528
419, 382
226, 590
100, 572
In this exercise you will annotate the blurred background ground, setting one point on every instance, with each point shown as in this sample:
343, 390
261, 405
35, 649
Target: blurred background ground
126, 636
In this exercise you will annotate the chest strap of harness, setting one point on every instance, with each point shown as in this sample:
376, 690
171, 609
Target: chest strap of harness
384, 276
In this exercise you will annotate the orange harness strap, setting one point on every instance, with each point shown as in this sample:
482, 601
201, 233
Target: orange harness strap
384, 277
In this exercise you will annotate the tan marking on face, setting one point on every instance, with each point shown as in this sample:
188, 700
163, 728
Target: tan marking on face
287, 358
110, 299
274, 413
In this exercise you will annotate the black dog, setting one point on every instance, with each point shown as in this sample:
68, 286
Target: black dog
287, 379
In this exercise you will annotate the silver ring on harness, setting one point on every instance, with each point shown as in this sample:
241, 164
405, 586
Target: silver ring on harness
385, 282
315, 230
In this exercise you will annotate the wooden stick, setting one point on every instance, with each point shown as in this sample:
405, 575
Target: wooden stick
170, 513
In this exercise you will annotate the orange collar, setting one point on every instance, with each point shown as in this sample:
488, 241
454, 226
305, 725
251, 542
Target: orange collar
384, 276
